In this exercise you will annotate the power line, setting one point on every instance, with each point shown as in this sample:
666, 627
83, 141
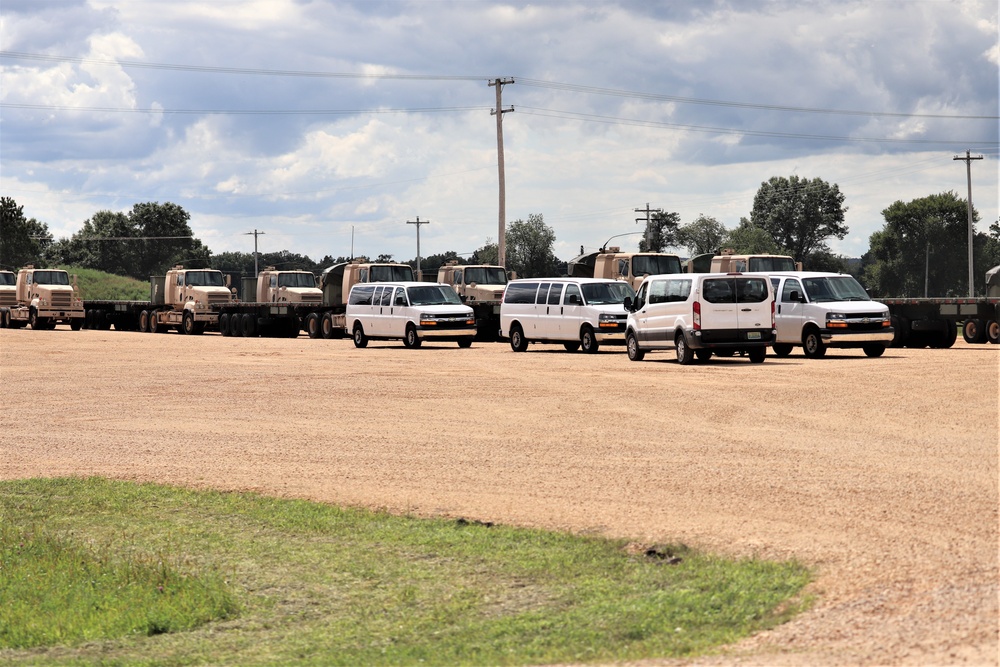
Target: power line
237, 112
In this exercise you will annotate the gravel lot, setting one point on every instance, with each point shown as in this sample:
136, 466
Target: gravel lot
879, 473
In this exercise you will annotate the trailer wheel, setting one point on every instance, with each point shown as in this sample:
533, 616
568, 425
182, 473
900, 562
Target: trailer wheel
249, 325
326, 326
812, 344
313, 327
292, 329
946, 338
973, 331
993, 332
224, 324
900, 330
360, 339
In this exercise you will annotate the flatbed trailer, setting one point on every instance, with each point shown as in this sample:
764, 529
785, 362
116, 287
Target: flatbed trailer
934, 321
280, 319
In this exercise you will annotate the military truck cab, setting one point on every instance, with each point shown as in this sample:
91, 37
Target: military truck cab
631, 267
479, 286
273, 286
186, 299
43, 298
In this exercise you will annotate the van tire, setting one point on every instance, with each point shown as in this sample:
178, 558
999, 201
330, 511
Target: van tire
632, 347
465, 342
685, 355
781, 349
410, 338
571, 347
812, 344
360, 339
874, 350
757, 354
518, 342
588, 342
703, 355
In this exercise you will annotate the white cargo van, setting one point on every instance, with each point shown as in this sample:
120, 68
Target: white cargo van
580, 313
821, 310
409, 311
698, 315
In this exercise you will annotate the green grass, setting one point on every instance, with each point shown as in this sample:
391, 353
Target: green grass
97, 285
271, 581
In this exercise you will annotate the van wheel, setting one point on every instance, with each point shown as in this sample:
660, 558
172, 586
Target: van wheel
703, 355
360, 339
685, 355
465, 342
813, 345
410, 338
781, 349
588, 343
223, 324
874, 350
757, 354
518, 342
973, 331
632, 347
571, 347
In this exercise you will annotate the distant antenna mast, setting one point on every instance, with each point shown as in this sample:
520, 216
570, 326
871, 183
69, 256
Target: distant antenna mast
968, 169
255, 234
499, 112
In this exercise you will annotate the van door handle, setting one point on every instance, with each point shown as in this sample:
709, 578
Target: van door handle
746, 310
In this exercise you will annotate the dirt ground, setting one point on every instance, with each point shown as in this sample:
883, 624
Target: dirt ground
879, 473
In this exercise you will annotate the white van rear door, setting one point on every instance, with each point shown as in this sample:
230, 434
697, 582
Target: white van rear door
719, 311
753, 302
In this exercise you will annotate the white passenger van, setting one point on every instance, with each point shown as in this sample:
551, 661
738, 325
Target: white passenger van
409, 311
822, 310
698, 315
580, 313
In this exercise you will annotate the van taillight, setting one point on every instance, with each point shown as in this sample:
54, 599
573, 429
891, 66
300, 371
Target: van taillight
697, 315
772, 314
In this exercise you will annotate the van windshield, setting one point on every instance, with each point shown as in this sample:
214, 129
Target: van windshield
485, 275
204, 279
296, 280
432, 295
390, 274
838, 288
596, 294
50, 278
655, 264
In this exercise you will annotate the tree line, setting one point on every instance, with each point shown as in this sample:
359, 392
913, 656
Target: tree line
922, 248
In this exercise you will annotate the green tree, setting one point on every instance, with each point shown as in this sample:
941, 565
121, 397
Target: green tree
925, 243
22, 241
749, 239
662, 232
529, 248
487, 254
800, 214
702, 236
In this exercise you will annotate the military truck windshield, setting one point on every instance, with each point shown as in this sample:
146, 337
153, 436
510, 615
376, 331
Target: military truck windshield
655, 264
390, 274
768, 264
7, 279
50, 278
432, 295
485, 275
204, 279
839, 288
296, 280
596, 294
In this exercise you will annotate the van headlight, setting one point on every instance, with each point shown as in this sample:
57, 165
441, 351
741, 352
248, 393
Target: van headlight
836, 321
427, 320
608, 321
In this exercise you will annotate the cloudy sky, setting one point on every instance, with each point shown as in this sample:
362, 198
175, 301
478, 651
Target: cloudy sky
330, 124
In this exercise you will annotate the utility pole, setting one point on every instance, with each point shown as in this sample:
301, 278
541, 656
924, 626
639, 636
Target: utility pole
648, 212
418, 222
968, 168
255, 234
499, 112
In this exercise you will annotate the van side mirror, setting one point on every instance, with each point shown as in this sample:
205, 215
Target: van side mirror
629, 305
400, 301
796, 296
574, 300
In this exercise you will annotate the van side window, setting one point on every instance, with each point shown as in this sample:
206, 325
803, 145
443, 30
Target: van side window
790, 285
362, 296
640, 296
386, 297
400, 298
543, 290
658, 291
719, 290
554, 293
570, 290
520, 293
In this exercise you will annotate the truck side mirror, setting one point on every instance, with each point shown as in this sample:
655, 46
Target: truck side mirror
629, 304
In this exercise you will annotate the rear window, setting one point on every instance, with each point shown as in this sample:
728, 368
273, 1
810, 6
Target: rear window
520, 293
735, 290
362, 296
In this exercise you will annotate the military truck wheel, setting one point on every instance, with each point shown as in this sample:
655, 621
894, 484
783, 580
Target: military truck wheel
223, 324
973, 331
33, 319
248, 326
3, 319
588, 341
685, 355
187, 324
360, 339
632, 347
292, 329
757, 354
465, 342
992, 332
313, 325
518, 342
326, 326
572, 347
410, 338
154, 323
76, 323
900, 330
812, 344
781, 349
874, 350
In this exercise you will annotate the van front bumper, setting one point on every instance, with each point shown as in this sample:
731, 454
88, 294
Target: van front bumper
445, 334
834, 338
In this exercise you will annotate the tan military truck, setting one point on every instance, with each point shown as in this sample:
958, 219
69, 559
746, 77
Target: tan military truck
43, 298
613, 264
8, 291
276, 303
186, 301
728, 261
479, 286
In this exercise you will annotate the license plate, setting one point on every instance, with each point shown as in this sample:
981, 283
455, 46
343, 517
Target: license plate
753, 335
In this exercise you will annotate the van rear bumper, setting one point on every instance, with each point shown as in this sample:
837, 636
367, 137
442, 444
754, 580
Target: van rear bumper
733, 339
